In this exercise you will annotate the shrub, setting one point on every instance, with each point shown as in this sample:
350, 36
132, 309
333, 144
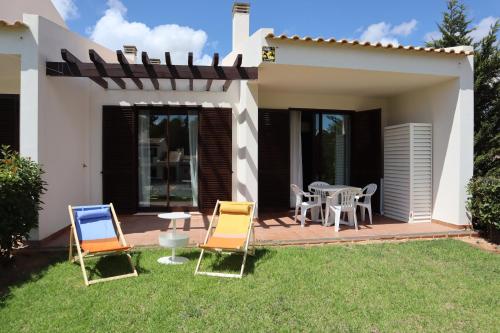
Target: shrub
484, 205
21, 187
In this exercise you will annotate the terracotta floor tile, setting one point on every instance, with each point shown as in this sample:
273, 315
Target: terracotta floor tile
143, 230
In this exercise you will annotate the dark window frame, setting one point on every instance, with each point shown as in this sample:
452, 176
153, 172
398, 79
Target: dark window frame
17, 125
165, 110
316, 165
159, 107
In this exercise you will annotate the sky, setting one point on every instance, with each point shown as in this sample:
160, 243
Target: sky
204, 26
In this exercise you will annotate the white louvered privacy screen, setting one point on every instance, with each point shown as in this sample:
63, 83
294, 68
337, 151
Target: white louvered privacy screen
408, 172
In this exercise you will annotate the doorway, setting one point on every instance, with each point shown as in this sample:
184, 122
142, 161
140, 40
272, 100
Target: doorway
185, 160
326, 138
9, 121
167, 158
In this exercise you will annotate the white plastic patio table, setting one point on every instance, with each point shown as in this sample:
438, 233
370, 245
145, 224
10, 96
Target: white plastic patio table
172, 239
325, 190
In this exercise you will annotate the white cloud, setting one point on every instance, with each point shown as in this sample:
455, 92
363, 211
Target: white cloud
387, 33
67, 8
376, 32
483, 28
405, 28
433, 35
113, 30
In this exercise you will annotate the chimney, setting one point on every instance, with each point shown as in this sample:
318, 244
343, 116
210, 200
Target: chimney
155, 61
130, 53
241, 25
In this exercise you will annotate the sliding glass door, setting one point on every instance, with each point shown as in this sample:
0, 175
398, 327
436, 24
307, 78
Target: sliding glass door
325, 147
167, 158
332, 139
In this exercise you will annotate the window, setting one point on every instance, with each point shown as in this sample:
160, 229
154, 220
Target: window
326, 147
167, 158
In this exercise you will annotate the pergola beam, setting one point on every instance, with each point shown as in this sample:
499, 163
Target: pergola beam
101, 68
190, 65
150, 69
178, 72
98, 69
215, 64
170, 68
126, 67
237, 66
75, 65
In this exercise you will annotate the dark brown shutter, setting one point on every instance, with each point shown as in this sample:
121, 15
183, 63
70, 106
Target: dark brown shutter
366, 151
214, 153
274, 160
119, 158
9, 121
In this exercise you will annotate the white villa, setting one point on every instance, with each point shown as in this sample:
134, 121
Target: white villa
150, 135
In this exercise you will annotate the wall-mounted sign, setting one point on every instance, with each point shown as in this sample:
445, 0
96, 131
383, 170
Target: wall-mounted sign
269, 53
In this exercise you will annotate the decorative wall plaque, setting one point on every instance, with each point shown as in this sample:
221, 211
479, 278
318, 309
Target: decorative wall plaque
269, 53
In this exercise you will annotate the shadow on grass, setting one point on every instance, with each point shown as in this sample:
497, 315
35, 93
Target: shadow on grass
232, 262
24, 268
191, 255
113, 265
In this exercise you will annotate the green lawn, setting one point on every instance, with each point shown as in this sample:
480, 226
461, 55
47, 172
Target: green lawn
434, 286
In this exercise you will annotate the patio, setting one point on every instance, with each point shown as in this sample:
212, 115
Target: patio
275, 229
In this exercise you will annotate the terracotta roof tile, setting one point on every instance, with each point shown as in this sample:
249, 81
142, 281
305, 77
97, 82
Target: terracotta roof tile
364, 43
16, 24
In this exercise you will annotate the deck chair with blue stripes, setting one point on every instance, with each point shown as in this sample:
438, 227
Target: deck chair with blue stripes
96, 231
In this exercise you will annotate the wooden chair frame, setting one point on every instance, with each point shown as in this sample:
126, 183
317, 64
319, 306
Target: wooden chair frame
73, 240
245, 250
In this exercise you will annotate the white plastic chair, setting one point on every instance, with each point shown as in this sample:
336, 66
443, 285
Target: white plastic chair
314, 191
343, 201
313, 201
366, 204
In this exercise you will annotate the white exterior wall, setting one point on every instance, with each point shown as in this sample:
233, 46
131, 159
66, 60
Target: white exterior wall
70, 140
246, 122
284, 100
61, 118
22, 42
100, 97
60, 134
13, 10
447, 105
357, 57
449, 108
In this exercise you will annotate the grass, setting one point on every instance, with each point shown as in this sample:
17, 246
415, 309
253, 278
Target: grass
434, 286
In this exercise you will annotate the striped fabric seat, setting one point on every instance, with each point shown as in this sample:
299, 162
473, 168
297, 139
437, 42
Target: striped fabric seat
96, 231
232, 227
231, 234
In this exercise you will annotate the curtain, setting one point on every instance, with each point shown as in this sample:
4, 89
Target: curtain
295, 152
144, 161
193, 151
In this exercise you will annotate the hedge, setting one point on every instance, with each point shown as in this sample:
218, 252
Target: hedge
21, 186
484, 205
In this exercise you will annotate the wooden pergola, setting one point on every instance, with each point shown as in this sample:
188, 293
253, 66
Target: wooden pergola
98, 70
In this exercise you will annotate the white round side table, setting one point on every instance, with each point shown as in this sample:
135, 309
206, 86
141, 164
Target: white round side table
172, 239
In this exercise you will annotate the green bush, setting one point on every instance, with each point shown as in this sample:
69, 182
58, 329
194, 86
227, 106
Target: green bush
484, 204
21, 187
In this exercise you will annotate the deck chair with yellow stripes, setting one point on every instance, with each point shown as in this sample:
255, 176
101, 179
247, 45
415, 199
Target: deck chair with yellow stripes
231, 234
96, 231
